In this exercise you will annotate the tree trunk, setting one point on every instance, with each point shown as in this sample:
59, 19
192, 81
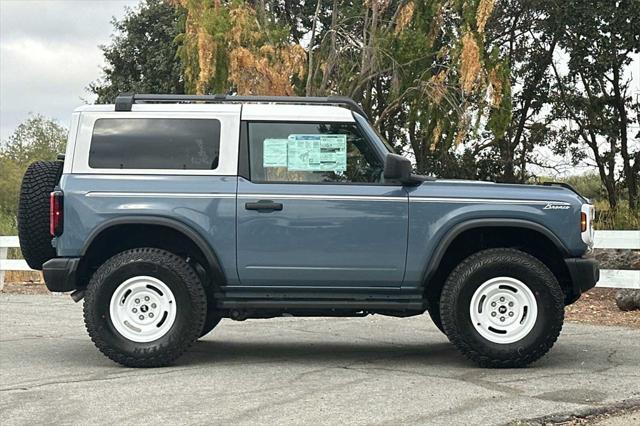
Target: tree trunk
310, 70
629, 175
333, 54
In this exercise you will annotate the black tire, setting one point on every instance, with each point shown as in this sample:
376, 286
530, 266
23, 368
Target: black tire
39, 180
467, 277
433, 306
212, 320
213, 316
190, 302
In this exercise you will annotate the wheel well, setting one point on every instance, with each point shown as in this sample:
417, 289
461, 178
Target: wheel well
477, 239
121, 237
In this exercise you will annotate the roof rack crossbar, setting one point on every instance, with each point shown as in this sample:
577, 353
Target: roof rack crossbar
125, 101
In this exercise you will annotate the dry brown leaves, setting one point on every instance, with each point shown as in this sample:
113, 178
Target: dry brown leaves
470, 65
267, 70
598, 306
483, 13
404, 16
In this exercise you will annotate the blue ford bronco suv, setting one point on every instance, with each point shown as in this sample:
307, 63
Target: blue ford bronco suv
168, 213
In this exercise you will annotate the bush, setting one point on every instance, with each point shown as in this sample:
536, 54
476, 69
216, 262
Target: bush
8, 224
623, 218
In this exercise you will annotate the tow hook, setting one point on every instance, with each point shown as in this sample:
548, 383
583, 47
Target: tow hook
77, 295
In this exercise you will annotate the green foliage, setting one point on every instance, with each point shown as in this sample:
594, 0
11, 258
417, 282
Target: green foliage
419, 68
8, 224
622, 218
236, 47
590, 186
142, 57
38, 138
593, 99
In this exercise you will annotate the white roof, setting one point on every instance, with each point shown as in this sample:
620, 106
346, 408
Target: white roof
250, 111
165, 107
293, 112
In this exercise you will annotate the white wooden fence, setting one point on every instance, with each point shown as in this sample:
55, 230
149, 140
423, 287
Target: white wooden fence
616, 278
613, 278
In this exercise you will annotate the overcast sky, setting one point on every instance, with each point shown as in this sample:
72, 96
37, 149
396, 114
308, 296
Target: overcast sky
49, 54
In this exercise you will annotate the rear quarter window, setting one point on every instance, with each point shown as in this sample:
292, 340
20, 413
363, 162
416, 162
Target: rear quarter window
155, 143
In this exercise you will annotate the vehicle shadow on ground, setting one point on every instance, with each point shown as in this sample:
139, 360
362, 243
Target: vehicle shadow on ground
343, 353
433, 354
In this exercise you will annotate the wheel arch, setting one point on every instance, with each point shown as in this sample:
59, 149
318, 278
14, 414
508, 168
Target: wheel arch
208, 254
502, 233
458, 229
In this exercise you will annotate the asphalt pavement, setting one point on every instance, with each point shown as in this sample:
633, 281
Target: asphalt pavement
372, 370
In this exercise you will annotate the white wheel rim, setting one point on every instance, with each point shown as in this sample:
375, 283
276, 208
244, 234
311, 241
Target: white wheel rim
142, 309
503, 310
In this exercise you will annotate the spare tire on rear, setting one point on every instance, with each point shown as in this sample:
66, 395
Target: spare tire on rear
38, 182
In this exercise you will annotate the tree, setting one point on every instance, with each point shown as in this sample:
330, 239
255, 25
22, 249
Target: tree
526, 34
593, 95
236, 47
38, 138
420, 69
142, 55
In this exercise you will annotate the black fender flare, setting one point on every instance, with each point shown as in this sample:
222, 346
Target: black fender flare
186, 230
459, 228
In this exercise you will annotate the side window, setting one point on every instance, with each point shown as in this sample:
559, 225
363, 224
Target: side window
155, 143
312, 153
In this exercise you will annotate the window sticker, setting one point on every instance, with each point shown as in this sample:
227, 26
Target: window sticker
274, 153
317, 153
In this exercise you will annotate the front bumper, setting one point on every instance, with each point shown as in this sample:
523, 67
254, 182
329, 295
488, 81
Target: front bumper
60, 273
584, 273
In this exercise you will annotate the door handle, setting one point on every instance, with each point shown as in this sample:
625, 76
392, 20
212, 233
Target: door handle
264, 206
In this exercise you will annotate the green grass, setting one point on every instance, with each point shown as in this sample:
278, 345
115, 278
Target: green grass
8, 224
623, 218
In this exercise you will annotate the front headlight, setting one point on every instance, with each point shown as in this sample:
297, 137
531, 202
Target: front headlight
587, 215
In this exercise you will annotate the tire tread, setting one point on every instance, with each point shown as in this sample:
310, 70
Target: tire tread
456, 281
161, 355
39, 180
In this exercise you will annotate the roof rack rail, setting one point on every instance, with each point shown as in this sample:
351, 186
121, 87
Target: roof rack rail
125, 101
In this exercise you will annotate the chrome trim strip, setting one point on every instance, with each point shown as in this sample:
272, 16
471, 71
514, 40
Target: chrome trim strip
320, 197
159, 194
483, 201
396, 198
323, 197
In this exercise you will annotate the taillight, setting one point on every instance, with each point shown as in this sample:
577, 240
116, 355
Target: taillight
587, 214
56, 211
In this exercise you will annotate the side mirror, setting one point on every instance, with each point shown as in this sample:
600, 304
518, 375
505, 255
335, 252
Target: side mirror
397, 167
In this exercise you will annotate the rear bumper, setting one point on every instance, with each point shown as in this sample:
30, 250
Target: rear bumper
584, 273
60, 273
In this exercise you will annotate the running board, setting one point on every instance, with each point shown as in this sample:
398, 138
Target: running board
328, 305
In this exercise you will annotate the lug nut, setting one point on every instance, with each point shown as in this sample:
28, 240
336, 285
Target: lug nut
493, 304
493, 314
502, 299
137, 300
146, 298
510, 303
153, 305
510, 314
134, 310
141, 317
150, 314
501, 318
